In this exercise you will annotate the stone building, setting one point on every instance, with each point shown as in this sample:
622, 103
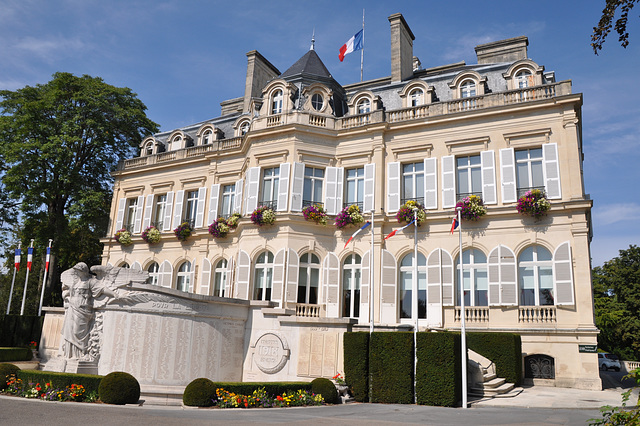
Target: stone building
496, 129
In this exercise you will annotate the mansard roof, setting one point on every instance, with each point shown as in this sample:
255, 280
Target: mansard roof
309, 64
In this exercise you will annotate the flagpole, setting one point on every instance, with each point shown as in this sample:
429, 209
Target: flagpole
15, 269
414, 302
463, 314
362, 50
371, 275
26, 280
44, 279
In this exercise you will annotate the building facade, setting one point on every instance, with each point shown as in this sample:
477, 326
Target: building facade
495, 129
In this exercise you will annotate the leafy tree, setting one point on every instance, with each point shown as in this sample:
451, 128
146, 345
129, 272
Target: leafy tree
616, 287
603, 29
59, 142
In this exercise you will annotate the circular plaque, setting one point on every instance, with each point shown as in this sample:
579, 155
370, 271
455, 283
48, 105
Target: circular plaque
271, 353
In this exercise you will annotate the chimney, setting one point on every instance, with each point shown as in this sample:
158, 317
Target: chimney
259, 72
509, 50
401, 48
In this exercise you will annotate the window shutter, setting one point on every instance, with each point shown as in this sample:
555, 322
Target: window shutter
339, 190
165, 274
148, 211
137, 224
252, 188
205, 277
168, 209
283, 187
563, 275
177, 210
136, 266
279, 262
393, 187
508, 175
237, 200
369, 187
120, 217
448, 279
439, 276
293, 264
228, 286
202, 196
430, 183
493, 266
364, 287
448, 181
331, 284
503, 289
551, 171
297, 187
192, 276
242, 276
330, 202
489, 195
213, 203
388, 293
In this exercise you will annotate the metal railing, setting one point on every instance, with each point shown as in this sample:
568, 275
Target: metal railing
306, 203
522, 191
271, 204
419, 200
360, 205
467, 194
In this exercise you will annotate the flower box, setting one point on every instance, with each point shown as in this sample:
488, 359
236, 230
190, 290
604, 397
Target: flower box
349, 215
183, 231
219, 228
405, 213
315, 213
123, 237
533, 203
263, 215
472, 207
151, 235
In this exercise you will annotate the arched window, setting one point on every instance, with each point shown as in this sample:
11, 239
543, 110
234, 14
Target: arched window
351, 278
263, 277
124, 265
476, 283
524, 79
153, 273
148, 148
220, 278
175, 143
416, 97
308, 278
364, 106
207, 137
535, 275
406, 286
244, 128
317, 101
183, 279
276, 102
468, 89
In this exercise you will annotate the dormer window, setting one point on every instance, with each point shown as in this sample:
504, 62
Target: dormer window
148, 148
175, 143
468, 89
416, 97
317, 101
524, 79
244, 128
207, 137
364, 106
276, 103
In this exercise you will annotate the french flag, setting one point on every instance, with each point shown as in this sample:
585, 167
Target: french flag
354, 43
48, 259
356, 233
454, 224
17, 261
392, 233
29, 257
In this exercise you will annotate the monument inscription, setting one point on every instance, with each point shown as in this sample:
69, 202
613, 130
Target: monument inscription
271, 353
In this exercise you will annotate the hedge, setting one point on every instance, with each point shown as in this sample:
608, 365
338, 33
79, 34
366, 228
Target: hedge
20, 330
356, 364
438, 372
391, 367
504, 349
15, 354
61, 380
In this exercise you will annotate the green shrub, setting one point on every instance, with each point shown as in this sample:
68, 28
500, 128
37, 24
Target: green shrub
438, 371
19, 330
199, 393
356, 364
391, 367
326, 388
504, 349
5, 371
90, 382
272, 388
119, 388
15, 354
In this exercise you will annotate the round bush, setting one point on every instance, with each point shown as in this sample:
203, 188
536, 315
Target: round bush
199, 393
119, 388
327, 389
6, 369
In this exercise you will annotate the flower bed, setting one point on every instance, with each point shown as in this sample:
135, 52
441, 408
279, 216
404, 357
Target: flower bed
151, 235
219, 228
183, 231
48, 392
263, 215
260, 398
123, 237
315, 213
405, 213
349, 215
472, 207
533, 203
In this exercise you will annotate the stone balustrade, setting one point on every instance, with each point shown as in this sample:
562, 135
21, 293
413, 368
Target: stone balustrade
537, 314
473, 314
307, 310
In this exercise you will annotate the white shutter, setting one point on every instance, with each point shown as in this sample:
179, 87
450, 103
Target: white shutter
330, 202
448, 279
213, 203
202, 196
283, 187
508, 175
448, 181
493, 266
388, 292
177, 210
252, 188
192, 275
430, 183
228, 285
165, 274
243, 275
122, 202
136, 266
563, 275
279, 262
393, 187
365, 276
551, 171
168, 209
439, 276
503, 289
237, 197
293, 264
148, 211
369, 187
137, 224
339, 190
489, 195
297, 187
205, 277
331, 284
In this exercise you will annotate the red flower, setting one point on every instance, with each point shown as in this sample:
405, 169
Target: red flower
279, 398
246, 404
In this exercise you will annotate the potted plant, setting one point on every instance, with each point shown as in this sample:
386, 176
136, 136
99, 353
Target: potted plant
315, 213
123, 237
219, 228
183, 231
472, 207
263, 215
533, 203
405, 213
349, 215
151, 235
232, 221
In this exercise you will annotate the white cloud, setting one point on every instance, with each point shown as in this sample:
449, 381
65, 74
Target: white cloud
49, 47
613, 213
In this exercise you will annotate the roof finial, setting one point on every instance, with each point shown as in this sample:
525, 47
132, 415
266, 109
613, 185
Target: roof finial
313, 39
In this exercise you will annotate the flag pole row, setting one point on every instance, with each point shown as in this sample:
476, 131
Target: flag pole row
17, 261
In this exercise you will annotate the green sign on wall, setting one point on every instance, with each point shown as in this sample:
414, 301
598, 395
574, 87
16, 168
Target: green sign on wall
587, 349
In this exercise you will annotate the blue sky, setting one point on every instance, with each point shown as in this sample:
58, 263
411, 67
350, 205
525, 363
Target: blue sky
183, 58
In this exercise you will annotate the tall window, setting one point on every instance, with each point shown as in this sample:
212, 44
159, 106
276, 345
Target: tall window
468, 90
529, 170
276, 102
476, 284
263, 277
308, 278
317, 102
153, 273
406, 286
535, 274
228, 198
207, 137
355, 187
413, 182
183, 280
469, 176
175, 143
220, 278
270, 178
148, 148
313, 178
159, 210
130, 214
524, 79
417, 97
351, 278
191, 207
364, 106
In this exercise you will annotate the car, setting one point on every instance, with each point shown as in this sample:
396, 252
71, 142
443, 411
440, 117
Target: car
608, 361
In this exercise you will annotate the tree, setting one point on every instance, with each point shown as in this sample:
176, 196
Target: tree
603, 29
59, 142
616, 288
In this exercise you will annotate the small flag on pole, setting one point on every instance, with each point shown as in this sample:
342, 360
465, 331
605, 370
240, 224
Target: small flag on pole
454, 224
29, 257
354, 43
46, 267
17, 261
392, 233
356, 233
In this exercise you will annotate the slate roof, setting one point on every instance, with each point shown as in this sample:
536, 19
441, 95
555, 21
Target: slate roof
309, 64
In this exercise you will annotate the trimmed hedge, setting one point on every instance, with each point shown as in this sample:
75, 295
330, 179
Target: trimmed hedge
327, 389
504, 349
5, 371
272, 388
20, 330
199, 393
391, 367
119, 388
15, 354
438, 372
90, 382
356, 364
